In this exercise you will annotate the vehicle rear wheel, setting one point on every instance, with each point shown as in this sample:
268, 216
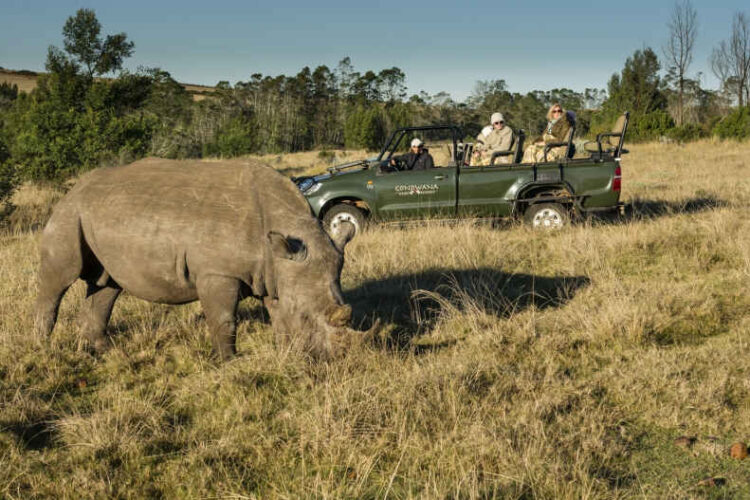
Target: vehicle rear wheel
344, 213
547, 216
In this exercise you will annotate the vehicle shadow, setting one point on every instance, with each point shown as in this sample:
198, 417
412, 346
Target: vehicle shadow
641, 209
412, 303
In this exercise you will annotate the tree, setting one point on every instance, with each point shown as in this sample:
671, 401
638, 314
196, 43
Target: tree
392, 84
637, 89
84, 45
730, 61
593, 98
678, 51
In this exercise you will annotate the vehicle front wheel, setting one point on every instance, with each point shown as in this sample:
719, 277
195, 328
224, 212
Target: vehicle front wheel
547, 216
344, 213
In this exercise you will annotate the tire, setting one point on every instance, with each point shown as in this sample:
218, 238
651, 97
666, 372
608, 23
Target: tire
547, 216
344, 213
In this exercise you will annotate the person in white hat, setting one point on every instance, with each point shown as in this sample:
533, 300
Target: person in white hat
416, 159
494, 137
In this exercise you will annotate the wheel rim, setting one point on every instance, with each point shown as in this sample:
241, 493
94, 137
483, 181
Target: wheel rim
548, 218
343, 217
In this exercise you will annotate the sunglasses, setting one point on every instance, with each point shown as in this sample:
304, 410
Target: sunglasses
557, 110
497, 123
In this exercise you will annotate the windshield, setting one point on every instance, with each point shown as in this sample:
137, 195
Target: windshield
439, 141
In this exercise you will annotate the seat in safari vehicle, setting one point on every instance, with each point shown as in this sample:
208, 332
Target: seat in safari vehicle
516, 149
610, 143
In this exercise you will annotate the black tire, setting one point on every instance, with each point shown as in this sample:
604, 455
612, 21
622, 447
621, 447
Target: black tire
547, 216
344, 212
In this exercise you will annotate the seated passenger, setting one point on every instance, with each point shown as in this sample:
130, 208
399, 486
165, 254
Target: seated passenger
559, 126
493, 138
416, 159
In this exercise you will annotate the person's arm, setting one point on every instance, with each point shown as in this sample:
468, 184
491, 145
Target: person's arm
479, 143
398, 160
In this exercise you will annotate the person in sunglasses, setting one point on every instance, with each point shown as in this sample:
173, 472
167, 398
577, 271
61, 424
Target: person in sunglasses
492, 138
559, 125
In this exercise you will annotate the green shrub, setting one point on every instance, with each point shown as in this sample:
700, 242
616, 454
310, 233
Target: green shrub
687, 132
736, 125
365, 128
7, 186
650, 126
234, 139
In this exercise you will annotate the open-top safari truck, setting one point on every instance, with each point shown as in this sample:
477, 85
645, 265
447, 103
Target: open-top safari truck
544, 194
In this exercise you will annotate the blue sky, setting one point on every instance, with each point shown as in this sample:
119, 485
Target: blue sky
440, 45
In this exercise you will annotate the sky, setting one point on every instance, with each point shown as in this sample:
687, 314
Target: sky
440, 45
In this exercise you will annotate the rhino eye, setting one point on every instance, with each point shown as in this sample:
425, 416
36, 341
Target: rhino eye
297, 246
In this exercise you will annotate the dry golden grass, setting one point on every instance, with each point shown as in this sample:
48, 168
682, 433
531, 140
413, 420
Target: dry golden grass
25, 82
513, 365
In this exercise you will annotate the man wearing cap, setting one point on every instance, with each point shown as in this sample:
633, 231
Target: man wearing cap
416, 159
493, 138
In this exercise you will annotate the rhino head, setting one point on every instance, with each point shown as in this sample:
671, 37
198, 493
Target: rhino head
304, 298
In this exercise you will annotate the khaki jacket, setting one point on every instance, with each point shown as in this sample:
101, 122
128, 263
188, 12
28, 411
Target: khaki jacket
498, 140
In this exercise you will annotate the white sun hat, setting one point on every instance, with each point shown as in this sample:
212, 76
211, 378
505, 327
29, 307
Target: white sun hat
497, 117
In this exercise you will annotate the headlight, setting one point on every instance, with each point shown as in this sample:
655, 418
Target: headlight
308, 186
305, 184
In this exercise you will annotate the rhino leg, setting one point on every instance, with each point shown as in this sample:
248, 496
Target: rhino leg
61, 265
219, 296
95, 314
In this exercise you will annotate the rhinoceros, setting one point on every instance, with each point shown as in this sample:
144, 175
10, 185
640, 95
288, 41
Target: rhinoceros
174, 232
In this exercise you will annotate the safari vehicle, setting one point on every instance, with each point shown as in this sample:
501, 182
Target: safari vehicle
545, 194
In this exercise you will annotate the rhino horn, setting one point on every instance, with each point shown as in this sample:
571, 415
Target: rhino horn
340, 316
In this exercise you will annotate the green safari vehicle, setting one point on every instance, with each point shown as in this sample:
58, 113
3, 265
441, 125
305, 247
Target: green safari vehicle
544, 194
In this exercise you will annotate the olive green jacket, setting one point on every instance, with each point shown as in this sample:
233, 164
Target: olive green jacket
559, 131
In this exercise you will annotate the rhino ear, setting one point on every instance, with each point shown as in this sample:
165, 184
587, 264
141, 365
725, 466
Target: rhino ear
344, 234
285, 247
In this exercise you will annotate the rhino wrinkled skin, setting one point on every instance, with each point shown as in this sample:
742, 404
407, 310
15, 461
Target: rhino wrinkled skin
175, 232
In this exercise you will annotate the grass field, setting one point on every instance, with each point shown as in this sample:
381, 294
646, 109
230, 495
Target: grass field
513, 365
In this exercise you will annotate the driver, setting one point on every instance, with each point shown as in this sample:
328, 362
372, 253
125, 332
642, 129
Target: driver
416, 159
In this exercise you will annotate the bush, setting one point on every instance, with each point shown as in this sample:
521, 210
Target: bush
365, 128
686, 133
736, 125
7, 186
233, 139
650, 126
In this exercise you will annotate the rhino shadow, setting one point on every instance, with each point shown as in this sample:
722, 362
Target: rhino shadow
414, 302
35, 436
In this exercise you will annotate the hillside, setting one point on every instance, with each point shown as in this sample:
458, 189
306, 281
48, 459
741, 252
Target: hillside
26, 81
608, 360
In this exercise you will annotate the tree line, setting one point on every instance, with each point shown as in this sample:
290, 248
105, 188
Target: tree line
75, 119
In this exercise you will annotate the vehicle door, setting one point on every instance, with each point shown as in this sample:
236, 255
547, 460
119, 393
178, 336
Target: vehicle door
413, 194
489, 191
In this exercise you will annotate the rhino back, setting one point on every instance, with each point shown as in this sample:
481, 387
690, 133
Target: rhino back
156, 225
